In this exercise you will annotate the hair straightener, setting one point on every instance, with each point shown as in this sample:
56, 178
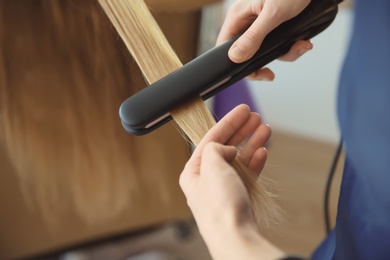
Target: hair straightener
213, 71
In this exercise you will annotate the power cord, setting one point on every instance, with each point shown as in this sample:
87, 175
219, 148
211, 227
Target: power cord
329, 184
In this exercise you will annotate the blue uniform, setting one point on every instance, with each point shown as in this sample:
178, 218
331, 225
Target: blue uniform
363, 222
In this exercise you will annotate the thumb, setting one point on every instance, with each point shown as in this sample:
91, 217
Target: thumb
249, 42
216, 155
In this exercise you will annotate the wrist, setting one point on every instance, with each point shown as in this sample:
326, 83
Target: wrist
240, 241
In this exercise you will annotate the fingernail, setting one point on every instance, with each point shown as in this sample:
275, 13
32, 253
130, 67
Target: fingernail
237, 53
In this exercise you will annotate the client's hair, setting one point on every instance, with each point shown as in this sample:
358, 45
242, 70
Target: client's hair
63, 76
155, 57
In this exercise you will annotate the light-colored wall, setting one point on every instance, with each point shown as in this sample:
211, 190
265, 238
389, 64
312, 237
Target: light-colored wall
302, 98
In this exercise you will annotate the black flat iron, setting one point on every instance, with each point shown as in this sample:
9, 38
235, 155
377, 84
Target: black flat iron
213, 71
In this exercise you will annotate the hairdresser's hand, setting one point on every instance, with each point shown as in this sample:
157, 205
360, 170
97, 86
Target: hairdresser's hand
215, 193
212, 187
258, 18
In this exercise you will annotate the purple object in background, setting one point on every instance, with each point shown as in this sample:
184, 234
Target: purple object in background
231, 97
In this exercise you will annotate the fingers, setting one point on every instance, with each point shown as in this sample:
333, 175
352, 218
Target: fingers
244, 49
297, 50
257, 161
256, 141
247, 129
232, 130
215, 165
216, 155
257, 19
220, 133
249, 42
262, 74
224, 130
236, 127
238, 18
214, 158
253, 153
227, 127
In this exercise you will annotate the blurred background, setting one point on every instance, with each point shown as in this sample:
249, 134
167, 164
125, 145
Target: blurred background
47, 68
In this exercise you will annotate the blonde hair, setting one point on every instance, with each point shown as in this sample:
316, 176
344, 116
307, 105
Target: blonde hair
63, 76
156, 58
